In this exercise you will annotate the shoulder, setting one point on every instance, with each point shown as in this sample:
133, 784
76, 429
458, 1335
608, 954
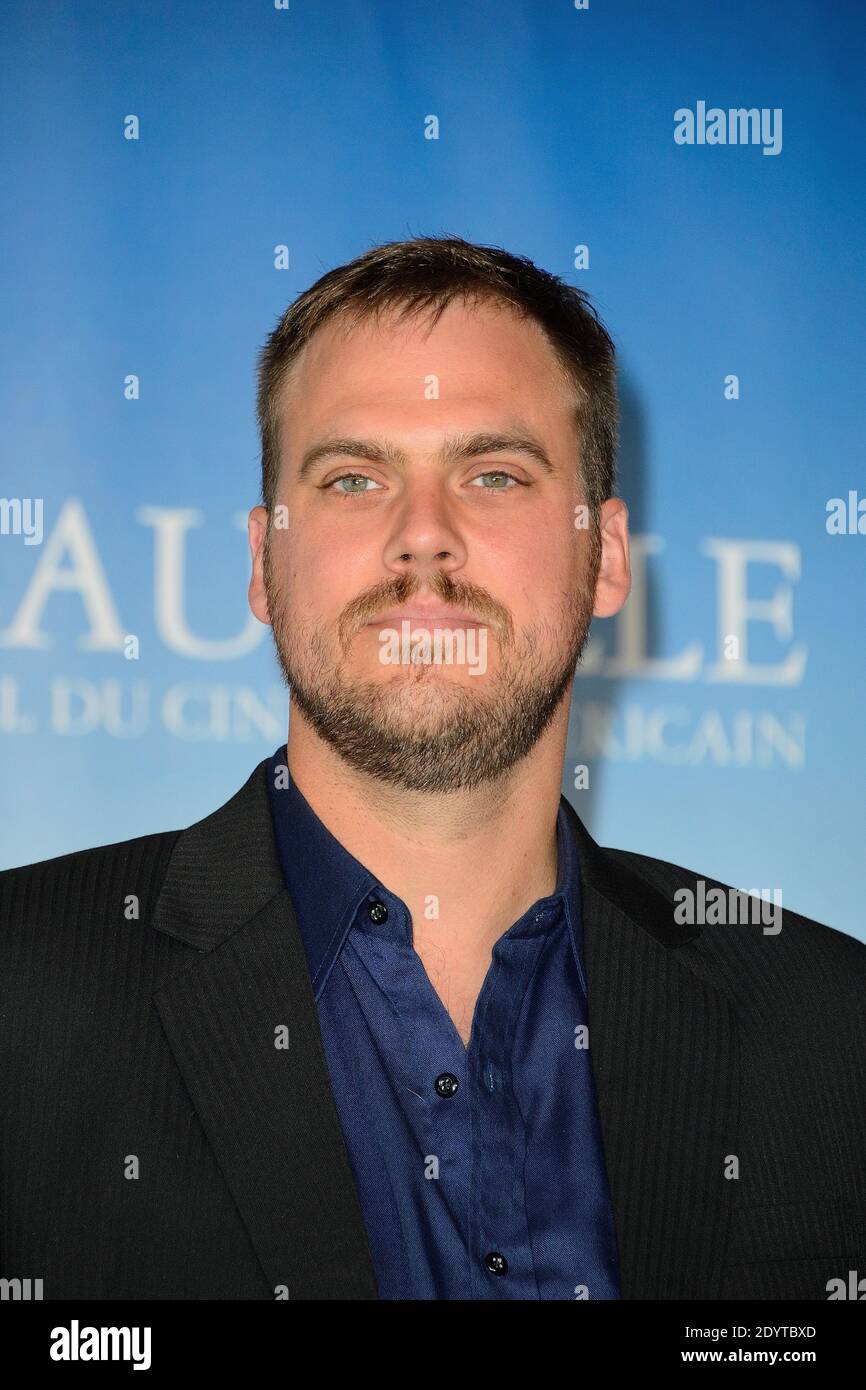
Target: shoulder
740, 933
794, 989
794, 986
89, 884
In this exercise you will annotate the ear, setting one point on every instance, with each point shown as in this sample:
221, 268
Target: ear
614, 574
257, 530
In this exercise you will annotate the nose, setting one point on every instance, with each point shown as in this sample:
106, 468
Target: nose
425, 536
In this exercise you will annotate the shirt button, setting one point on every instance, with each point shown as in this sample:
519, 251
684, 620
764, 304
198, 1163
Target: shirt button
446, 1084
377, 912
496, 1263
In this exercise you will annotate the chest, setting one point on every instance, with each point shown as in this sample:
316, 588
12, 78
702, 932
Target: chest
457, 978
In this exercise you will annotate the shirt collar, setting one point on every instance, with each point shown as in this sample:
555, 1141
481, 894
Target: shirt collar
328, 885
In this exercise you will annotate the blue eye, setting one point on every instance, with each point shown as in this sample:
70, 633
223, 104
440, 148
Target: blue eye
351, 478
496, 473
361, 478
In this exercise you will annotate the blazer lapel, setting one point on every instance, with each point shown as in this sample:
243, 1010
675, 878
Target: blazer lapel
664, 1051
268, 1110
662, 1040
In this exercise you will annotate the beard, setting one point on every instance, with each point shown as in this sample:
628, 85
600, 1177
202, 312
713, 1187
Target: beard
421, 731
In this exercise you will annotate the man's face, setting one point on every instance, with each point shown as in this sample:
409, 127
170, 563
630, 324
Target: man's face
401, 536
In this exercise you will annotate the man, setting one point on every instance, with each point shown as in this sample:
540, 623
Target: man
390, 1023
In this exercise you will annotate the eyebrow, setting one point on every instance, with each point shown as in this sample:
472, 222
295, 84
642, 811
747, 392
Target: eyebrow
455, 449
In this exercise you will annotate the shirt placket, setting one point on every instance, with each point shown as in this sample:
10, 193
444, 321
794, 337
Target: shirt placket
429, 1063
502, 1266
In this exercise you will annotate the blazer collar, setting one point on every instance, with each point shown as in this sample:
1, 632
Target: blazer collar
328, 885
662, 1040
226, 867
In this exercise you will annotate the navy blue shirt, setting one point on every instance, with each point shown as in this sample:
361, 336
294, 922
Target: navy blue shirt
479, 1170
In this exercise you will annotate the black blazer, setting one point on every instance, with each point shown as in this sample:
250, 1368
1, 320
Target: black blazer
155, 1143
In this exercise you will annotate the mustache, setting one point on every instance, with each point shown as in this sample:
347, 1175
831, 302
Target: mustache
390, 593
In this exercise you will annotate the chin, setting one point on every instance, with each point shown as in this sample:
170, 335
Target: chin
417, 696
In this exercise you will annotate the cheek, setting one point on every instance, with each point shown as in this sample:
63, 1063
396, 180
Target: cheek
337, 559
537, 570
321, 576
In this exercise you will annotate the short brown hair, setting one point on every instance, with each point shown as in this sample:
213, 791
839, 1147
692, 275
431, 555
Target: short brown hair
426, 273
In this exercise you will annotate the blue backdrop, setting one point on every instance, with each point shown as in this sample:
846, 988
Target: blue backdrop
156, 159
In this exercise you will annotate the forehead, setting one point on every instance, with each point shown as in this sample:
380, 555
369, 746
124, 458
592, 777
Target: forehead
479, 361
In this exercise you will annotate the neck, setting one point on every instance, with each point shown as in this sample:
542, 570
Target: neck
483, 855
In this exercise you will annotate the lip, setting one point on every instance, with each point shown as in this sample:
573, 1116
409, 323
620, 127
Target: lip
436, 617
